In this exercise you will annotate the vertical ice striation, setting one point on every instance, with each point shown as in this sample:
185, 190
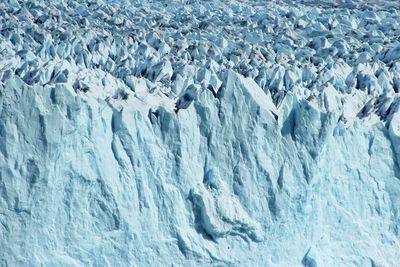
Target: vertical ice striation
276, 143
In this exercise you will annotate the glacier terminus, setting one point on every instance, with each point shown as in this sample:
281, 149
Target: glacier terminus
199, 133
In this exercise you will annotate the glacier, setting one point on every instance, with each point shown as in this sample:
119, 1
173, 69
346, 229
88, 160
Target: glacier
199, 133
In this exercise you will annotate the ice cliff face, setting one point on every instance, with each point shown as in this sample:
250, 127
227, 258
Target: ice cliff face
139, 134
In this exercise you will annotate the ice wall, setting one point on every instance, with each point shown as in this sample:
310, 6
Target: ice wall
218, 183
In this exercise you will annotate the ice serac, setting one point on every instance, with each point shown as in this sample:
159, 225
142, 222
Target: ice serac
266, 136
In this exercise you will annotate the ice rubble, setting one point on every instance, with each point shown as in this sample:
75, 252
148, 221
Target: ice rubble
238, 133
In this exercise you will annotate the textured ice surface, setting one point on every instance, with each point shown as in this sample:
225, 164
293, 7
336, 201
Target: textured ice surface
199, 133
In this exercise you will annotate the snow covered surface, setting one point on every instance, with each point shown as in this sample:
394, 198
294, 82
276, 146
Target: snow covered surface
198, 133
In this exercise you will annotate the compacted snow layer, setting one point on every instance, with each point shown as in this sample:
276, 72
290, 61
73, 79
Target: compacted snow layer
199, 133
